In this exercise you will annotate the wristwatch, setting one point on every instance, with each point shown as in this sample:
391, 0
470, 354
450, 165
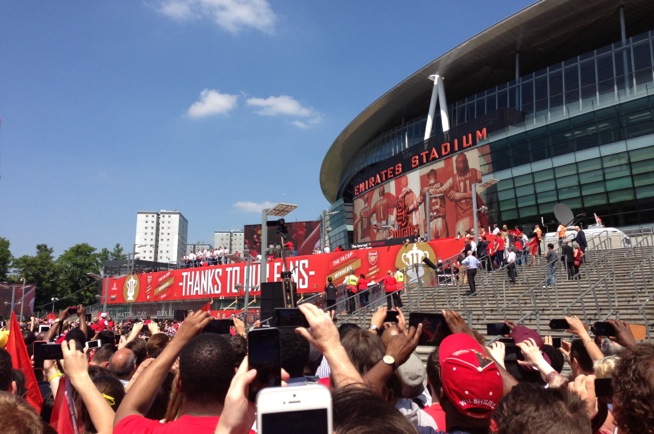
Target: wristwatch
389, 360
373, 327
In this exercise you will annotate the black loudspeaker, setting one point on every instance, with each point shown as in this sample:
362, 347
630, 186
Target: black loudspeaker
429, 263
272, 296
179, 315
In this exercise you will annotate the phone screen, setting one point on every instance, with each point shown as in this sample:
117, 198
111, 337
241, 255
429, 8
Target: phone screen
92, 344
219, 326
603, 329
264, 356
603, 387
295, 422
497, 328
290, 317
434, 327
559, 324
391, 316
48, 352
556, 342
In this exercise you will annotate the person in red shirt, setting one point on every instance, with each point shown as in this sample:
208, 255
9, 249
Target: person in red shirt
390, 288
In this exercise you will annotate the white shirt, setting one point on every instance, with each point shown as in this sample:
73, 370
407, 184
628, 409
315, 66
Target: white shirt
496, 231
511, 257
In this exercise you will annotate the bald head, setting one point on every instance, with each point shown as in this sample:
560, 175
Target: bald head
123, 363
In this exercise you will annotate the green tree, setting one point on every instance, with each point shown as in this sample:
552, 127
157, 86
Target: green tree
117, 254
5, 259
73, 282
40, 270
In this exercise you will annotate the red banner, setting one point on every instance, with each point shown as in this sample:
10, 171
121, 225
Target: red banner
309, 272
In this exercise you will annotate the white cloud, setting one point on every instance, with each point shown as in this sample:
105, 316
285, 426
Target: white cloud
231, 15
253, 207
279, 105
212, 102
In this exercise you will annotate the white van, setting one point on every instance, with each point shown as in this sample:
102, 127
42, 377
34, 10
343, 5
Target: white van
597, 237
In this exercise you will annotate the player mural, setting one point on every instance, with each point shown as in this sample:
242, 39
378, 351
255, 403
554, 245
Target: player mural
433, 199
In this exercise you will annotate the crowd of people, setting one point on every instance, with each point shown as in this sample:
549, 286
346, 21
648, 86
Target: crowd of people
208, 257
147, 376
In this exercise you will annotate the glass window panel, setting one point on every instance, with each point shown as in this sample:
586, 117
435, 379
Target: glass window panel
544, 175
567, 181
605, 68
619, 183
644, 192
507, 204
506, 194
615, 160
556, 83
568, 169
491, 100
642, 154
588, 188
528, 211
642, 167
569, 192
547, 207
522, 180
508, 215
526, 201
540, 163
592, 176
617, 172
545, 186
621, 195
502, 99
524, 190
644, 179
547, 196
574, 202
595, 199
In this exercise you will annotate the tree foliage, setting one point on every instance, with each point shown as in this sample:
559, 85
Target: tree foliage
40, 270
5, 259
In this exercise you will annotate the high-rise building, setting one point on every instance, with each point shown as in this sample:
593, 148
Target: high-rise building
232, 240
160, 236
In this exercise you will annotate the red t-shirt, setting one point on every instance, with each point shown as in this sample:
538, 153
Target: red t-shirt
390, 283
436, 411
186, 424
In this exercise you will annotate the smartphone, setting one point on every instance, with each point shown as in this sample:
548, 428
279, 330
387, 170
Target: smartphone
556, 342
559, 324
391, 316
219, 326
603, 329
289, 317
116, 339
38, 363
93, 344
603, 387
264, 356
43, 328
497, 328
72, 310
48, 352
434, 327
87, 317
295, 410
510, 348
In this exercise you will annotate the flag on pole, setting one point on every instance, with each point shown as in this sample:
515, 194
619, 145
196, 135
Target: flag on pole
20, 359
598, 221
206, 307
63, 418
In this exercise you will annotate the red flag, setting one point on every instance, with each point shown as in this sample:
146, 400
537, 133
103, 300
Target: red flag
20, 359
62, 418
206, 307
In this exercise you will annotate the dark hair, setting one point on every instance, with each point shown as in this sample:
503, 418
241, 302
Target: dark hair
206, 368
103, 354
633, 390
78, 336
345, 328
578, 351
550, 245
6, 370
556, 357
358, 410
107, 337
138, 345
158, 341
29, 337
240, 346
106, 384
532, 409
294, 351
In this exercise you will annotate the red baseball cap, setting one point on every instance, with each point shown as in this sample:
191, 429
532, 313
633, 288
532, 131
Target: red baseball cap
471, 380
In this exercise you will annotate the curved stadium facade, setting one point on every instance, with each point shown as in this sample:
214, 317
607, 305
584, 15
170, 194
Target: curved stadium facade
553, 104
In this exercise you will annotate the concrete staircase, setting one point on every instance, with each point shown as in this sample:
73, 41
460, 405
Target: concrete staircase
614, 283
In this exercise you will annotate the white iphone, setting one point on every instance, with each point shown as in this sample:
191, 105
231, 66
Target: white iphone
295, 410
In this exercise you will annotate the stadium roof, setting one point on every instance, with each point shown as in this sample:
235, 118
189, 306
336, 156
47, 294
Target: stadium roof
544, 33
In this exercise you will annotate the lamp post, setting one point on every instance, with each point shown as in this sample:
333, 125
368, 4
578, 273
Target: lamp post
484, 185
22, 299
53, 300
104, 285
279, 210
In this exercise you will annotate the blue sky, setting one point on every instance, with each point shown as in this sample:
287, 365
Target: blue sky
209, 107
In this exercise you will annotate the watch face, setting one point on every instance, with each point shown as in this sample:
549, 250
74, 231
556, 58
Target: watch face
389, 360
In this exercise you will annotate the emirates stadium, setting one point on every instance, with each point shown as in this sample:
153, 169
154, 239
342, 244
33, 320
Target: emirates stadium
551, 105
